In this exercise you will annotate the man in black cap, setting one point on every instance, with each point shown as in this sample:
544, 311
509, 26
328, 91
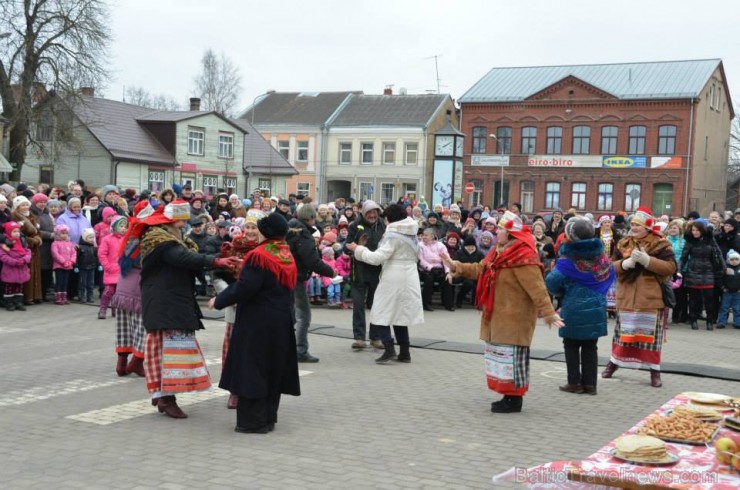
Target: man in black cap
213, 243
187, 192
283, 209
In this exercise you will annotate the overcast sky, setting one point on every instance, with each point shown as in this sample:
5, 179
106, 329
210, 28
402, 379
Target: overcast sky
326, 45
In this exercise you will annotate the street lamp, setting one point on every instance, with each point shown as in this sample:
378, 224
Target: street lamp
254, 107
501, 164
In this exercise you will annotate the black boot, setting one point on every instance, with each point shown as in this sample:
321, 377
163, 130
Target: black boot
10, 303
510, 404
497, 404
404, 355
710, 325
694, 325
19, 303
389, 354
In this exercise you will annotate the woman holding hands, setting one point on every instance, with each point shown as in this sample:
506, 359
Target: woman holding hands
511, 291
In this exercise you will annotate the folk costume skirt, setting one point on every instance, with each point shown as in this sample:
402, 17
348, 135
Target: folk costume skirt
174, 363
507, 368
645, 351
130, 332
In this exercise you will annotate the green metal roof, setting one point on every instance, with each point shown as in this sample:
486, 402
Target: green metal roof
649, 80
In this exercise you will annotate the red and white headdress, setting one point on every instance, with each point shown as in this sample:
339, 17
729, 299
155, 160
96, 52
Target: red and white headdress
643, 217
511, 222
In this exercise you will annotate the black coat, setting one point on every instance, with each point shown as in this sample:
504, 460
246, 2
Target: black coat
200, 240
731, 282
304, 250
87, 256
212, 244
727, 242
361, 271
168, 287
262, 354
701, 261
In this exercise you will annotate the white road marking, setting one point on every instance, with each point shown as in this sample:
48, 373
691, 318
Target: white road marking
138, 408
21, 397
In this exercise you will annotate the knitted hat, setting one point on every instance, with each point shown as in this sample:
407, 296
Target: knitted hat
433, 215
37, 198
732, 222
579, 228
606, 217
87, 233
21, 187
73, 200
59, 229
306, 213
273, 226
54, 202
454, 235
116, 224
330, 238
283, 202
108, 212
10, 226
20, 201
233, 196
643, 217
694, 215
343, 221
454, 208
224, 224
511, 222
469, 240
491, 220
737, 211
328, 252
732, 255
177, 210
107, 189
177, 189
254, 215
247, 202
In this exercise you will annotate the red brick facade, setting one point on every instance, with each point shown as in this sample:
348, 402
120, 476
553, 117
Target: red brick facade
569, 104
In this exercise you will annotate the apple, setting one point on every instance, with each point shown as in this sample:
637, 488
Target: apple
735, 461
725, 448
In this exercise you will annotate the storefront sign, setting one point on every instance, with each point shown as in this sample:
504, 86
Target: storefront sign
489, 160
568, 161
666, 162
624, 161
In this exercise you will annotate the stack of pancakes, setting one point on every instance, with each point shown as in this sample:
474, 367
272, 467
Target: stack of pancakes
640, 448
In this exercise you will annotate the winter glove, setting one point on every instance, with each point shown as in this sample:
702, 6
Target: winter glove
336, 280
100, 268
641, 257
77, 271
628, 263
226, 262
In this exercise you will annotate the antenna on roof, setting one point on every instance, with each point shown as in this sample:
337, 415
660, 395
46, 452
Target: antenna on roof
436, 67
630, 75
124, 93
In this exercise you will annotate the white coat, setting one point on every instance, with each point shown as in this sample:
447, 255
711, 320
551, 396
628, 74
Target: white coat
398, 296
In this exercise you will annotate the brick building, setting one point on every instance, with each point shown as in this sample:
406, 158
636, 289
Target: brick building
600, 138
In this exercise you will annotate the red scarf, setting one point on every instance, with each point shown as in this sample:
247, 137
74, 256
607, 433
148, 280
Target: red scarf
275, 256
521, 252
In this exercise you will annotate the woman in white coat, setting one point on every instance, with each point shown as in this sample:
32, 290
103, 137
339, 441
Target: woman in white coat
398, 296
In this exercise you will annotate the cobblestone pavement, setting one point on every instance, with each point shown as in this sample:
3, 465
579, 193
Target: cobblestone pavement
68, 422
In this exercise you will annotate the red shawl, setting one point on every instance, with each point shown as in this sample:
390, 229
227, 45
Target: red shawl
275, 256
519, 253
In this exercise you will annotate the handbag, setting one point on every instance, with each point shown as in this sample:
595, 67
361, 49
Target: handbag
669, 297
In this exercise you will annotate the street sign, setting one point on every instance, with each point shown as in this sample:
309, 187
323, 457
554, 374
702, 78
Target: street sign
469, 187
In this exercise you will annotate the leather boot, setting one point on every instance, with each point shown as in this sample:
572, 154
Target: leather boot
19, 305
710, 325
608, 371
121, 364
404, 355
168, 406
694, 325
569, 388
136, 366
388, 355
655, 381
510, 404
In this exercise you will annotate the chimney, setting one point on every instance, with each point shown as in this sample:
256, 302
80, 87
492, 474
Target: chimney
194, 103
88, 91
388, 90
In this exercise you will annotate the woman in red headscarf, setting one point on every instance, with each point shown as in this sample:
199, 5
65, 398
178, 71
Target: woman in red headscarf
511, 291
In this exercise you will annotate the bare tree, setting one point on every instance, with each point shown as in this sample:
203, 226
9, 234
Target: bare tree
219, 83
734, 156
55, 44
142, 97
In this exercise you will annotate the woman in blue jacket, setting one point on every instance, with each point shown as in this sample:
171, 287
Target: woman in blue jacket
581, 278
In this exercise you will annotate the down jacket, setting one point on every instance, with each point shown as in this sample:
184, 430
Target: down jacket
583, 309
108, 257
15, 268
305, 252
701, 261
398, 297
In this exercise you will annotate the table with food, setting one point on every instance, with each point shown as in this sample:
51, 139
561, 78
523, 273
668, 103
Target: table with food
692, 442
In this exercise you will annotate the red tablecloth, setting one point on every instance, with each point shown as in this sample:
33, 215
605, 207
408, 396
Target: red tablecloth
697, 469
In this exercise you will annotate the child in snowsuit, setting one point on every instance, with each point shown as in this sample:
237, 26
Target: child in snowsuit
64, 254
15, 257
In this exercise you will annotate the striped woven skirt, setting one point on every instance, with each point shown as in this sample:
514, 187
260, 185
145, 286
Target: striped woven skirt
174, 363
507, 368
638, 355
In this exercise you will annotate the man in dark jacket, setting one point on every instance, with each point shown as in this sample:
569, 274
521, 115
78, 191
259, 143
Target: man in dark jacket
364, 278
110, 200
469, 254
283, 209
200, 237
170, 313
308, 260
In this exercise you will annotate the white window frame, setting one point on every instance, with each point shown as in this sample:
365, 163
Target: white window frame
283, 147
230, 189
158, 177
411, 149
604, 199
226, 145
303, 188
631, 204
579, 194
210, 182
301, 148
364, 151
265, 184
552, 195
527, 196
196, 141
389, 153
345, 152
383, 187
